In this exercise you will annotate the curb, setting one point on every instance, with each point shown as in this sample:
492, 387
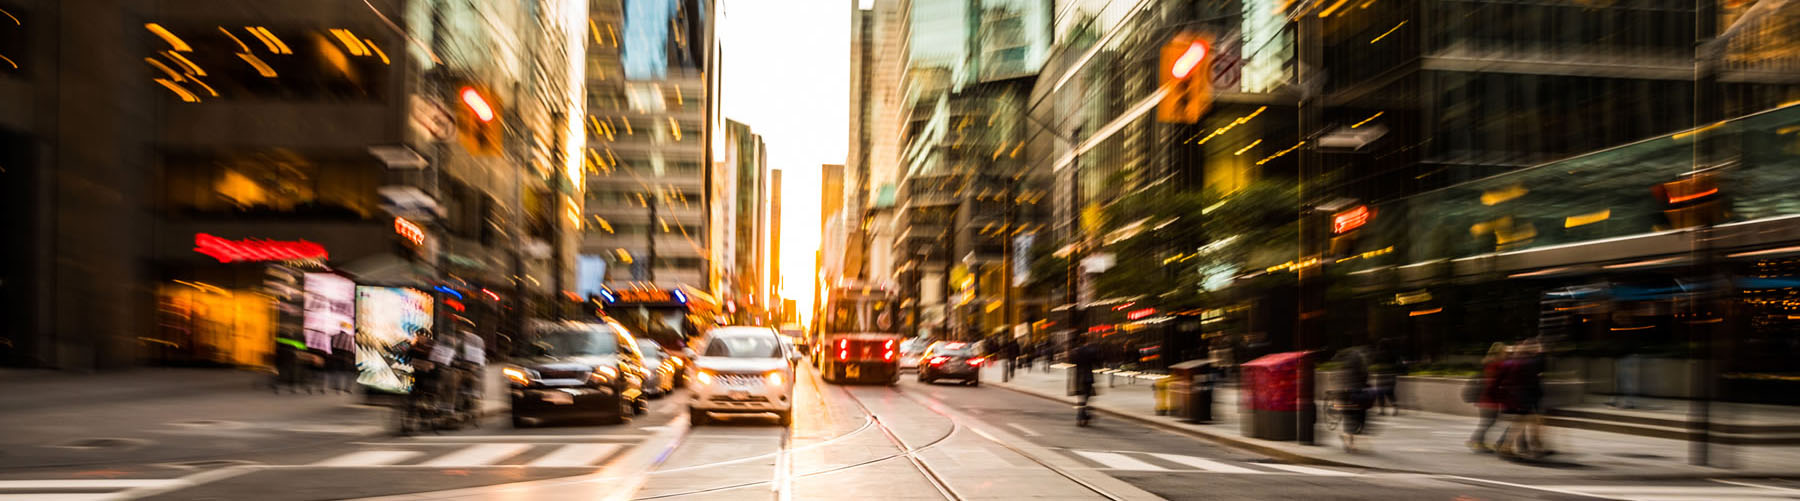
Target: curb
1226, 440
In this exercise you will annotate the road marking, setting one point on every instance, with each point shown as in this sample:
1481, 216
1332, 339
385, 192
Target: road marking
369, 458
1760, 486
523, 438
1203, 463
478, 455
1022, 429
1308, 470
39, 496
576, 455
1118, 461
84, 484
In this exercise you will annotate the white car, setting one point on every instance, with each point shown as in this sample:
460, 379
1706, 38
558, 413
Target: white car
910, 351
741, 370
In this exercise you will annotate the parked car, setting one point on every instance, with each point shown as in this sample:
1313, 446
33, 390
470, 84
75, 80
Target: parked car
576, 370
661, 370
741, 370
951, 360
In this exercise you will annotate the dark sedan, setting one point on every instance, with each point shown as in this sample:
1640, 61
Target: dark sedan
951, 360
578, 371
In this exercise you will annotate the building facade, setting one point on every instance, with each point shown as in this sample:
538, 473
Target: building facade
190, 165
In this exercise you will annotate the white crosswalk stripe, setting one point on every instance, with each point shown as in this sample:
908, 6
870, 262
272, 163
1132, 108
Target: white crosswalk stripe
478, 455
1204, 464
1130, 460
369, 458
1119, 461
1308, 470
75, 489
1677, 492
576, 455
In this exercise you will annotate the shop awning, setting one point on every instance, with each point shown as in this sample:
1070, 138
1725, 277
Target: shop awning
388, 269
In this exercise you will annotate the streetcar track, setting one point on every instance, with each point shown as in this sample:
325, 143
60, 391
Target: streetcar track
1053, 468
870, 420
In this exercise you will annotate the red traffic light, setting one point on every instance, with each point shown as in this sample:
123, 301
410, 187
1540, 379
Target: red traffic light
1190, 59
477, 104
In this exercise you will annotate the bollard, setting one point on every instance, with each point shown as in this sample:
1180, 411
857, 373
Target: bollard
1160, 389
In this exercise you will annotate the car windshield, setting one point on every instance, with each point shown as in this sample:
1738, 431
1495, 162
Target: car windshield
650, 348
743, 347
582, 340
954, 349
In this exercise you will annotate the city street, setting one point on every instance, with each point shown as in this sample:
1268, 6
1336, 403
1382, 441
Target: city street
912, 441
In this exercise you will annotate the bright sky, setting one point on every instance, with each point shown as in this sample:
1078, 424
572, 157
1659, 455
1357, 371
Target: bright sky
787, 74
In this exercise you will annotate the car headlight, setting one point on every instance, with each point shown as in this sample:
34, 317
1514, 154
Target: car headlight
521, 377
703, 377
603, 374
774, 377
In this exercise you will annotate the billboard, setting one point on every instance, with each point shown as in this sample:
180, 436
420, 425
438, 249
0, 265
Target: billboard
329, 306
387, 319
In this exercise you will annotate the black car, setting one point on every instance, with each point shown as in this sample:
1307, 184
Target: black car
662, 372
951, 360
577, 370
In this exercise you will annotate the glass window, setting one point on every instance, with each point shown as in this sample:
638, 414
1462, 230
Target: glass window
227, 62
577, 340
743, 346
274, 182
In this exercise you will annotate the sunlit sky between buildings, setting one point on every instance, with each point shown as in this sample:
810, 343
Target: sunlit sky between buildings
786, 74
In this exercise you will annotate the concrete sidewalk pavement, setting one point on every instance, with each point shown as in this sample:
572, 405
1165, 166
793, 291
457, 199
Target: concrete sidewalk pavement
1421, 442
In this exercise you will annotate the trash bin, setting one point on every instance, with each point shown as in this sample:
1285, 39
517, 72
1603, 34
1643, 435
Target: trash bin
1187, 381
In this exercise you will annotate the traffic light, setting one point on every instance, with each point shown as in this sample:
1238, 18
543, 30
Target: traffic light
478, 121
1186, 70
1691, 201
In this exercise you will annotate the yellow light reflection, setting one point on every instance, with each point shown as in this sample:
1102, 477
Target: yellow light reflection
203, 85
351, 42
1240, 152
186, 96
1589, 218
185, 63
674, 129
174, 41
1390, 31
9, 61
241, 45
1499, 195
1366, 120
262, 68
173, 75
376, 50
269, 39
1333, 8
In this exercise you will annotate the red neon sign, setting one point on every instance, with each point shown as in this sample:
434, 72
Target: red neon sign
410, 231
250, 249
1137, 314
1351, 219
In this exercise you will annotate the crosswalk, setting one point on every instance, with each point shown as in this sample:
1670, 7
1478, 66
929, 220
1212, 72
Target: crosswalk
1158, 461
81, 489
463, 455
1694, 492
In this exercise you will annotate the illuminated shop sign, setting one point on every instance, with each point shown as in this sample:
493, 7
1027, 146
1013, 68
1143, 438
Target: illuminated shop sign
409, 230
250, 249
1351, 219
644, 296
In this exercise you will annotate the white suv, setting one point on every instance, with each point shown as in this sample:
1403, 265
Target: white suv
741, 370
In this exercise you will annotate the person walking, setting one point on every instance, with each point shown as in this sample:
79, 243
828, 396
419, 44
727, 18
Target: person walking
1484, 392
1385, 369
341, 365
1521, 386
1009, 353
1086, 357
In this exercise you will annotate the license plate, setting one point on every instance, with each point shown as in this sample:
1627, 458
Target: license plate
738, 395
559, 398
853, 371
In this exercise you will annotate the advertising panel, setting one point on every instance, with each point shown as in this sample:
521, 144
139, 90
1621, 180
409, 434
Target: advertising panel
387, 319
330, 306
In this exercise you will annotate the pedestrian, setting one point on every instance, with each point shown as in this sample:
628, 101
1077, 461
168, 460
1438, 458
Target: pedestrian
1625, 381
1521, 386
1352, 395
1009, 352
1484, 392
1385, 369
1086, 358
341, 365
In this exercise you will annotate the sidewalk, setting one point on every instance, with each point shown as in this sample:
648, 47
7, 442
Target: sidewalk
1422, 442
160, 415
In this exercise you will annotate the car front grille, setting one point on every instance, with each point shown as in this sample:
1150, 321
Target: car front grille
571, 374
740, 379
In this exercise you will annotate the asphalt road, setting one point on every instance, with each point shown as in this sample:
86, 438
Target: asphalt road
910, 441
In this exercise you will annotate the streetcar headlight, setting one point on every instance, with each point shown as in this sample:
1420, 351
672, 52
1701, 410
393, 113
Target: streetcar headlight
703, 377
774, 378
